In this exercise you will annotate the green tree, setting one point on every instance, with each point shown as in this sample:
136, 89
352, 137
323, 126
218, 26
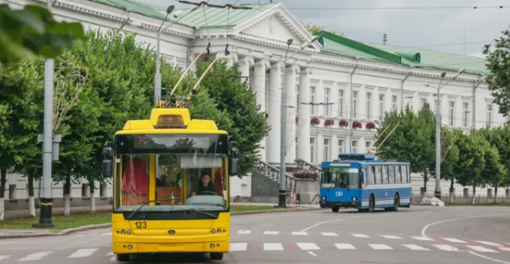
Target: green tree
236, 101
471, 161
498, 65
406, 136
33, 31
314, 29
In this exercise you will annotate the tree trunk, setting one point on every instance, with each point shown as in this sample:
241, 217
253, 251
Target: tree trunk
67, 196
473, 200
92, 196
496, 194
31, 201
3, 179
452, 191
425, 179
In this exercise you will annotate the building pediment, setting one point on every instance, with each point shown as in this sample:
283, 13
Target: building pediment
275, 27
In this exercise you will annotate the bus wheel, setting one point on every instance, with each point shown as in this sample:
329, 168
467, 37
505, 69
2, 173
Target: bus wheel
371, 204
216, 256
122, 257
335, 209
396, 203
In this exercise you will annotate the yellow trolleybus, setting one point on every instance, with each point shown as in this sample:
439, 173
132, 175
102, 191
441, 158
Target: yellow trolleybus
170, 185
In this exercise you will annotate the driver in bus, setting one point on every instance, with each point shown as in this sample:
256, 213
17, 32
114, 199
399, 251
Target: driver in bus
206, 186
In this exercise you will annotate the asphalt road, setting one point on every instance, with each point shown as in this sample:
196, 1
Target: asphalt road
418, 235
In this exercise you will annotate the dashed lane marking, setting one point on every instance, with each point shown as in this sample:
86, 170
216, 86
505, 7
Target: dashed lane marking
238, 246
423, 238
308, 246
273, 246
415, 247
482, 249
360, 235
83, 253
380, 247
344, 246
35, 256
391, 237
329, 234
454, 240
446, 248
271, 232
2, 257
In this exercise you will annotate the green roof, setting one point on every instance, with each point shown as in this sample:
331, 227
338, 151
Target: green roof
337, 45
213, 17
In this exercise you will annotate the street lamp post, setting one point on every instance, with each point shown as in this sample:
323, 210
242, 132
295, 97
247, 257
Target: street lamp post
283, 190
437, 192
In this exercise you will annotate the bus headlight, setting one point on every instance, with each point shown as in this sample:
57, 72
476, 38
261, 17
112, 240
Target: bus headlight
354, 199
213, 231
324, 198
218, 231
129, 232
122, 232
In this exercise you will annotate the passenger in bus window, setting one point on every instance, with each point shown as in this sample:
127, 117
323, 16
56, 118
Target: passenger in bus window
206, 187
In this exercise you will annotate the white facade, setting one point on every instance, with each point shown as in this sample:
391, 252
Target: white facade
258, 46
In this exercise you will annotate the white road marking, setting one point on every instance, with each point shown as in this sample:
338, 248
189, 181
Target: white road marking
271, 232
107, 234
110, 254
299, 233
311, 253
380, 247
504, 248
446, 247
360, 235
4, 257
454, 240
344, 246
308, 246
83, 253
489, 243
238, 246
423, 238
482, 249
243, 232
35, 256
454, 219
273, 246
485, 257
391, 237
113, 259
414, 247
331, 221
329, 234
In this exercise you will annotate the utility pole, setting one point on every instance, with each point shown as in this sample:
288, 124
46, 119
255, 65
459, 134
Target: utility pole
45, 220
283, 136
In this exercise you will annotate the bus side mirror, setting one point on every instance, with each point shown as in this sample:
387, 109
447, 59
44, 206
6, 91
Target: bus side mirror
107, 160
233, 160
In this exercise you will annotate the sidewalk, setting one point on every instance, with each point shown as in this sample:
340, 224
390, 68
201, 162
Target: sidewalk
56, 211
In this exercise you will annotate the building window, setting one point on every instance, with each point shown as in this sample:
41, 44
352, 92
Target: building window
489, 115
394, 102
354, 104
369, 106
340, 103
312, 94
423, 101
326, 100
368, 145
381, 106
340, 146
354, 146
312, 148
326, 149
451, 112
465, 114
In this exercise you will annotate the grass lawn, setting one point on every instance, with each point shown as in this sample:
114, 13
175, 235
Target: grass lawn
83, 219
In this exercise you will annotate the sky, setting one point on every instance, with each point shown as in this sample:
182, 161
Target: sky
439, 26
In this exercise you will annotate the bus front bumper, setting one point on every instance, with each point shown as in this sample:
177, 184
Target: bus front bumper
349, 204
194, 247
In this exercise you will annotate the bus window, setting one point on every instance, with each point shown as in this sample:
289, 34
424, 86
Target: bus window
378, 174
349, 178
384, 177
405, 177
372, 178
391, 174
135, 179
398, 174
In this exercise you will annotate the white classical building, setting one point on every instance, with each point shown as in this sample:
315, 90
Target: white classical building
355, 82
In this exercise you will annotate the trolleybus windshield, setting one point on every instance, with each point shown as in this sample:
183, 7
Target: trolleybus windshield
345, 178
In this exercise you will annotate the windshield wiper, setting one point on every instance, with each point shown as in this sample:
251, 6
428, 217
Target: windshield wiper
151, 201
198, 211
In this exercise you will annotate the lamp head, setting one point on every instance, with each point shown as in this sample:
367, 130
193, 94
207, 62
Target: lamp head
289, 42
169, 9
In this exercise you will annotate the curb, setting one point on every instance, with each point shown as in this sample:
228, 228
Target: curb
100, 226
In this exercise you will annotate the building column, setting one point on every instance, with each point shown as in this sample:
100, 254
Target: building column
303, 126
259, 87
275, 92
244, 68
230, 59
290, 145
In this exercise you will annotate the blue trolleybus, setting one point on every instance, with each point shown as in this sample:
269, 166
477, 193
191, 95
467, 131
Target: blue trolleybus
360, 181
